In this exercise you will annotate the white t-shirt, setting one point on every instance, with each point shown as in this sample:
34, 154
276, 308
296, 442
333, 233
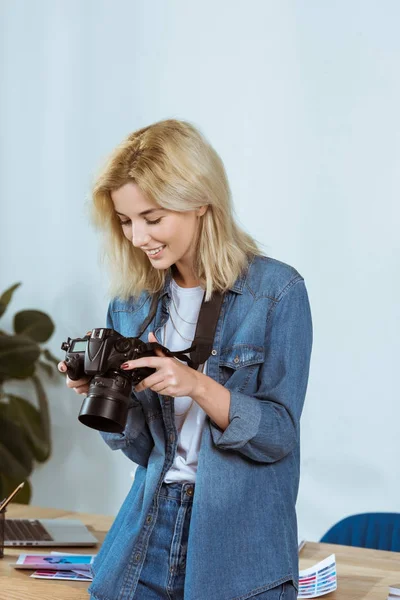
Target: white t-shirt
188, 302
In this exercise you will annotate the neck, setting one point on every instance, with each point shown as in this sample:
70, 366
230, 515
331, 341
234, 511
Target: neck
185, 282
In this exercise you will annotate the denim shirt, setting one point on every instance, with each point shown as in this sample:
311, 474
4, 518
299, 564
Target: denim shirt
243, 530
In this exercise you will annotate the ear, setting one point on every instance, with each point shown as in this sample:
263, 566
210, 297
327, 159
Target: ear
202, 210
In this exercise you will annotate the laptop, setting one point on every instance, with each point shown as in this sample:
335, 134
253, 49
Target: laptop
44, 532
47, 532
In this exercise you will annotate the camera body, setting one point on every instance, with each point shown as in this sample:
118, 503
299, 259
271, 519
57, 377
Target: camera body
100, 355
104, 349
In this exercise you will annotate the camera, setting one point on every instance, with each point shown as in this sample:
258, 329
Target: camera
100, 354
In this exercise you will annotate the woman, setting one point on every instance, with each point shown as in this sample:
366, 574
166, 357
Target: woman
211, 512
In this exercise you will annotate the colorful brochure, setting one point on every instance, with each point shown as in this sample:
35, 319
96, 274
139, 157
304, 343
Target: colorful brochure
51, 562
319, 579
73, 575
70, 575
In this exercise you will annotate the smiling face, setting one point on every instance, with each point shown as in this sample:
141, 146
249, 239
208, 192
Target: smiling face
175, 231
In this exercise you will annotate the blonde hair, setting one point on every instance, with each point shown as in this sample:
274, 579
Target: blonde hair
174, 165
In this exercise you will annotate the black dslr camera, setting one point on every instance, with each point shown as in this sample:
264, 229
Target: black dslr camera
100, 354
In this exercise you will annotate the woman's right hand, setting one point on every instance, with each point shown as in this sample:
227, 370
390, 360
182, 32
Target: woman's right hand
80, 386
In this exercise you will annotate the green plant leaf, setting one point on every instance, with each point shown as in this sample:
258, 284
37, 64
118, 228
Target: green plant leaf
43, 410
51, 358
18, 355
46, 367
27, 417
24, 429
15, 453
8, 485
6, 297
35, 324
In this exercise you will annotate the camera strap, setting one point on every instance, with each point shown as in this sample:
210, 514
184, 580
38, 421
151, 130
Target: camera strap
202, 344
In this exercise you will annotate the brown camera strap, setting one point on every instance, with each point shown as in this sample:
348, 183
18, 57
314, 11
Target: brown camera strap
203, 340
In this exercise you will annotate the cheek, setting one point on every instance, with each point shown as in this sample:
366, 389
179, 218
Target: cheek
127, 233
182, 233
176, 233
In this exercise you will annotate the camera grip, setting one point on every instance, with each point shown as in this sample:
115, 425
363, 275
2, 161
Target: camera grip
74, 367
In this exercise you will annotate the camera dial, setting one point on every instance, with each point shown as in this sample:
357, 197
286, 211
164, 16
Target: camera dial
122, 345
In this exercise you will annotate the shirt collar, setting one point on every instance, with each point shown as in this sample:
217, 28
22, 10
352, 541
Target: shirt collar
236, 287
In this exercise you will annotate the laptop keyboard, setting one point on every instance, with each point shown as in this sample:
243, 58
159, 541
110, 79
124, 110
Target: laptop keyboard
21, 530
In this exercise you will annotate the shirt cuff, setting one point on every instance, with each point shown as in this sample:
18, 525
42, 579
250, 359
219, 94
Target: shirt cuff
244, 422
115, 441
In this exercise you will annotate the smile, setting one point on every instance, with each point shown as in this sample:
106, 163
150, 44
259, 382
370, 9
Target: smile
156, 251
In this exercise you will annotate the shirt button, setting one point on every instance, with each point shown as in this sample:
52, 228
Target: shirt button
149, 519
236, 359
137, 556
171, 437
213, 352
189, 491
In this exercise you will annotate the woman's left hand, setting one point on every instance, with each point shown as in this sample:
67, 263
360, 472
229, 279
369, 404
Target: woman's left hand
172, 378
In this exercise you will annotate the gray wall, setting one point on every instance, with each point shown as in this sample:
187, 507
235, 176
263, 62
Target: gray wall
301, 101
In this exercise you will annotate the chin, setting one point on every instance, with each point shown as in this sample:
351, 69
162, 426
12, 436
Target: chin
163, 264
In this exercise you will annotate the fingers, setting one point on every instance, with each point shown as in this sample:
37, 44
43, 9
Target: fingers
153, 362
80, 386
78, 383
83, 390
149, 382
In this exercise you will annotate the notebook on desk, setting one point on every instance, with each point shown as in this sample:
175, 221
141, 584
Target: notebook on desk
47, 532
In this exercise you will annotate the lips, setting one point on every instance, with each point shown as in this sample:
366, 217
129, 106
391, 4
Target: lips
160, 249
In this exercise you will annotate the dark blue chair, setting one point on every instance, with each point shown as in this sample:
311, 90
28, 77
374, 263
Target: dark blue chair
368, 530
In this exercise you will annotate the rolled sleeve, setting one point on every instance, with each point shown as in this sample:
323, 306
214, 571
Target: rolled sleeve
265, 426
240, 430
136, 441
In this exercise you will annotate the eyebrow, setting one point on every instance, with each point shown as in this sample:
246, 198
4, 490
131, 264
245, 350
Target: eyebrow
144, 212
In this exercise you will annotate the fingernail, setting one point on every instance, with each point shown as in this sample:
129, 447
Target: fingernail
125, 366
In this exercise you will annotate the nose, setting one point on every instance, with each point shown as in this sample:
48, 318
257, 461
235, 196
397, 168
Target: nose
139, 237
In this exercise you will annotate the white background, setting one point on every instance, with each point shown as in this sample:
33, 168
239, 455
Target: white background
301, 100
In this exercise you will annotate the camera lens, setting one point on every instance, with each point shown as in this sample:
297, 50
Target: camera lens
106, 406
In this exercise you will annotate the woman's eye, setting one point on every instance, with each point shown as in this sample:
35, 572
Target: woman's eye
128, 221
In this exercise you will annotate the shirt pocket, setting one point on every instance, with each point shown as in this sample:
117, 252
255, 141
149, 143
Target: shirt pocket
239, 363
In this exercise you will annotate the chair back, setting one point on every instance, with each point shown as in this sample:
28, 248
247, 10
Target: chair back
368, 530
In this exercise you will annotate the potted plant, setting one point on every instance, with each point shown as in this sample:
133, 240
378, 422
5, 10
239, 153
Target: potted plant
24, 426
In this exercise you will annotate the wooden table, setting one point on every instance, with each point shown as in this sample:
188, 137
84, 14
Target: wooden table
362, 574
17, 584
